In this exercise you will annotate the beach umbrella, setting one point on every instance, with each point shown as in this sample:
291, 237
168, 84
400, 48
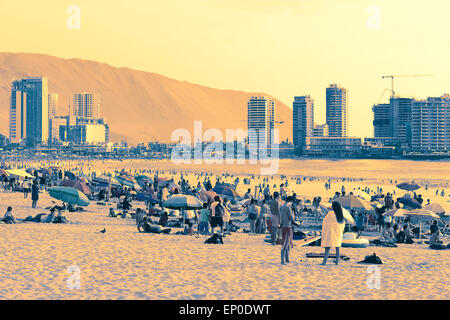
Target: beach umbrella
395, 213
182, 201
206, 196
128, 181
408, 186
103, 181
226, 191
76, 184
147, 196
354, 203
327, 207
69, 195
409, 202
421, 213
143, 179
20, 173
437, 208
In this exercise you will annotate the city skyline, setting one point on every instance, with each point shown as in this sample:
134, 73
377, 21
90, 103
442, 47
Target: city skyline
178, 44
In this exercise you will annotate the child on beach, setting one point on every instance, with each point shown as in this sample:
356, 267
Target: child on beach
8, 218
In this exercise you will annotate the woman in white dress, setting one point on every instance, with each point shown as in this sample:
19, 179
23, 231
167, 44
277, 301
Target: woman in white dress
332, 231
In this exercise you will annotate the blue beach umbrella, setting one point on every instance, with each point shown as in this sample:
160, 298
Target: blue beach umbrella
69, 195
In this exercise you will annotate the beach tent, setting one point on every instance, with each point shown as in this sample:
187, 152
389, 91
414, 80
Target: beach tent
408, 186
69, 195
76, 184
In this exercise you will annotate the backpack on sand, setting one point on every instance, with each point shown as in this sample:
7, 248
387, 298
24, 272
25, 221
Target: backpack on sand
373, 259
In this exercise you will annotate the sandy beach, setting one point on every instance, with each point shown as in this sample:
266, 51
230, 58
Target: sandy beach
125, 264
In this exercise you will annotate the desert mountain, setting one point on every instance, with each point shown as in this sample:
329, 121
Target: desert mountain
139, 106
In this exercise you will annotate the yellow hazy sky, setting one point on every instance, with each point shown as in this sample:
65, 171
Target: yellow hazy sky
281, 47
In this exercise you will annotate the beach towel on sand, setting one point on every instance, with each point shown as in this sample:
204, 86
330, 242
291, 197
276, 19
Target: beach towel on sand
332, 231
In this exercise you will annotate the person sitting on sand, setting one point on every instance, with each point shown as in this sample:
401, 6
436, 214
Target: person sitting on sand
332, 231
112, 213
8, 218
139, 215
388, 233
434, 227
163, 219
147, 227
59, 218
408, 233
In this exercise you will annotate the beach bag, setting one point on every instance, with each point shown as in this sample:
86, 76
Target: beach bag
373, 259
219, 210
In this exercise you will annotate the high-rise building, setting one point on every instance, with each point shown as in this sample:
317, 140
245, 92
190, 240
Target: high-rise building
303, 121
320, 130
382, 121
260, 122
85, 105
401, 120
337, 111
431, 125
53, 104
29, 111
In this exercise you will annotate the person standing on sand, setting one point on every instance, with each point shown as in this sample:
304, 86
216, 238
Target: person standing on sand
332, 231
275, 210
286, 219
34, 194
253, 214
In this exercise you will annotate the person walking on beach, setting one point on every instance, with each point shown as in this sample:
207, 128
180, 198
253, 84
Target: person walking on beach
217, 212
26, 188
275, 219
34, 194
253, 214
287, 235
332, 231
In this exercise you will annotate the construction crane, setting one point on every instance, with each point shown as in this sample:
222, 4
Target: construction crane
403, 76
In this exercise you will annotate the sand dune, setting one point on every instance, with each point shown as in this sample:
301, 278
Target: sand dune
140, 106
